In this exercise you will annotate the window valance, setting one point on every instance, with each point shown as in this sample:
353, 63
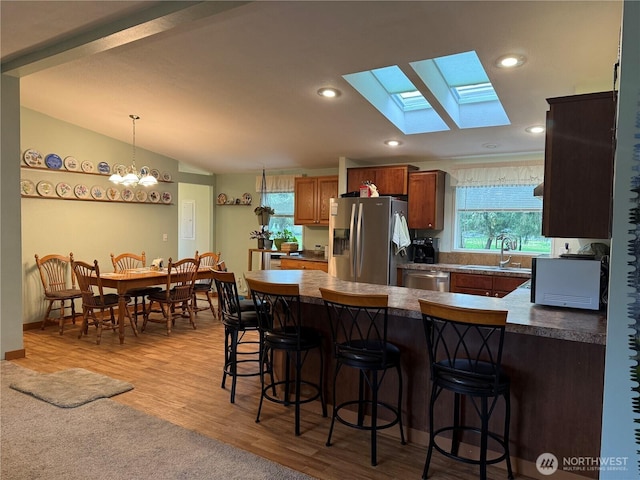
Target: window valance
497, 176
276, 183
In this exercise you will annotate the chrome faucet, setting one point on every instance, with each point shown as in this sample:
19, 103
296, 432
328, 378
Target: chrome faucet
510, 244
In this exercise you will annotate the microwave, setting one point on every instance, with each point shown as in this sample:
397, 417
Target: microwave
568, 282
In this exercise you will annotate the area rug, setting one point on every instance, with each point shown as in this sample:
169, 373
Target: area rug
104, 440
70, 388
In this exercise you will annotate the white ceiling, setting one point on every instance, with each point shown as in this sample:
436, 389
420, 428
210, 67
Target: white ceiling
235, 90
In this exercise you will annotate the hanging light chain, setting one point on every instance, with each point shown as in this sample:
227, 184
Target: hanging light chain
133, 162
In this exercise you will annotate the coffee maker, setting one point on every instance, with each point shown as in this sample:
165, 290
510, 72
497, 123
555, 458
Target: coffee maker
425, 250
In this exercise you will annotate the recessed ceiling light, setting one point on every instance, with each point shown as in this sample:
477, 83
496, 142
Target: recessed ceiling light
510, 61
535, 129
490, 145
329, 92
392, 143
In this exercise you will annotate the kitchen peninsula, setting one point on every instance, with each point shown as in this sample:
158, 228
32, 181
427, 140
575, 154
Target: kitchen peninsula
555, 358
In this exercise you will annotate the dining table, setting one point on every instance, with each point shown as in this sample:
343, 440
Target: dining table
124, 281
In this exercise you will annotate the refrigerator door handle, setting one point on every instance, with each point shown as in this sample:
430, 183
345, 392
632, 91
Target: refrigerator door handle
359, 240
352, 227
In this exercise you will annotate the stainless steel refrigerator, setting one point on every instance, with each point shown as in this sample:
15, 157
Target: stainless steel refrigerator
360, 239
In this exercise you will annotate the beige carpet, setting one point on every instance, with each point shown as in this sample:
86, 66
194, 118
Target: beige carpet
69, 388
104, 440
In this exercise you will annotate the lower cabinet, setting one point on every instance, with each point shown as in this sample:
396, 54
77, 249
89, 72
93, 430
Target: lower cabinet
295, 264
484, 285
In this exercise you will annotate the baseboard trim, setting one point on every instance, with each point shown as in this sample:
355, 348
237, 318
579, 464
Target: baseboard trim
15, 354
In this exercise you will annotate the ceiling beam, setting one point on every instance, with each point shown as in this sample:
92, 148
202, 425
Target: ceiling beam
162, 16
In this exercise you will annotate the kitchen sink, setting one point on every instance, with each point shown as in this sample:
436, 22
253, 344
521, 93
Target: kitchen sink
496, 268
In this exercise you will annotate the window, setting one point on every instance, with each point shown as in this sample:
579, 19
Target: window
283, 204
483, 213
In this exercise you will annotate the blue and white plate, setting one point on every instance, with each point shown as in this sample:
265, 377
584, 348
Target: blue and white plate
53, 161
104, 168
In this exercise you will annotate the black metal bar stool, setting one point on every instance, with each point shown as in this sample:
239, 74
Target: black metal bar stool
359, 333
279, 317
239, 317
465, 352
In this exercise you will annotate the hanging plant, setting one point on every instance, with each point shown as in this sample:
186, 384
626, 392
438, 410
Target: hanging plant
263, 212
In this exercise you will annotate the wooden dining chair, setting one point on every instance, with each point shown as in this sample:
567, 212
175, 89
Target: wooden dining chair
95, 300
211, 261
59, 283
176, 299
130, 261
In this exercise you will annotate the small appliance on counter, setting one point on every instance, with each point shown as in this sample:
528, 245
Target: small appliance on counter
425, 250
578, 281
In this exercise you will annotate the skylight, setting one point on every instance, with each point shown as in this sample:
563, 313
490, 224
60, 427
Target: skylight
458, 83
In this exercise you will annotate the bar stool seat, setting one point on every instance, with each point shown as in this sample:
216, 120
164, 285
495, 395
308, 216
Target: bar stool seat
359, 334
465, 352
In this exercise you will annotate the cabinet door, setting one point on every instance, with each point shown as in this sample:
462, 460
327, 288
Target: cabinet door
472, 284
327, 188
357, 176
392, 180
578, 172
505, 285
426, 200
306, 194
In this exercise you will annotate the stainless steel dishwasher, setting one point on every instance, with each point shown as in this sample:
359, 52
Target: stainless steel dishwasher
427, 280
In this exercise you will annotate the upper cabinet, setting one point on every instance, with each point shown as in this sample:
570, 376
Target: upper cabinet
578, 167
312, 196
391, 180
426, 200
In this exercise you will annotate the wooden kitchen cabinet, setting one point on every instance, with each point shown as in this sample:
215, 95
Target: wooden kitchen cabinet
391, 180
484, 285
312, 196
578, 166
426, 200
287, 263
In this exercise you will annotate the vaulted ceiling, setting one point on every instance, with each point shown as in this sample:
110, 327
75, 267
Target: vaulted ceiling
232, 86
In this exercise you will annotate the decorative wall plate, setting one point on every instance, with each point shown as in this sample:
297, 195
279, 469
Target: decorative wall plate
166, 176
33, 158
64, 190
166, 197
246, 198
71, 164
45, 189
155, 173
222, 199
53, 161
119, 169
141, 196
104, 168
87, 166
144, 171
27, 187
81, 191
127, 195
154, 196
98, 192
113, 193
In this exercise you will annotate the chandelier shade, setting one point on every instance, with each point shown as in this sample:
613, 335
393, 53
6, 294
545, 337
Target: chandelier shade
132, 177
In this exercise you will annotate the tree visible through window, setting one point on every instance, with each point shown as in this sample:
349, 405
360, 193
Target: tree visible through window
485, 214
283, 204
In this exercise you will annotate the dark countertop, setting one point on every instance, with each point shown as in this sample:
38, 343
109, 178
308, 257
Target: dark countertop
524, 317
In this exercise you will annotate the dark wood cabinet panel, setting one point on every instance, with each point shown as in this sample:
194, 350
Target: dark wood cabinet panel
483, 285
426, 200
390, 180
578, 171
312, 196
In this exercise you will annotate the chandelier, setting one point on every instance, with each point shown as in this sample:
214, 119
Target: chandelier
131, 176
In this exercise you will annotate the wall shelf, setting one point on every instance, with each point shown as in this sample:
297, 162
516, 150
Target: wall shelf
61, 170
133, 202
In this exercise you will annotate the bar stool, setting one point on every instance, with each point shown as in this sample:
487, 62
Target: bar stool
359, 333
238, 317
465, 352
279, 318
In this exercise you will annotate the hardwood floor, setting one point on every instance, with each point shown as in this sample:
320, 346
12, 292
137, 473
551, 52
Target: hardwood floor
177, 378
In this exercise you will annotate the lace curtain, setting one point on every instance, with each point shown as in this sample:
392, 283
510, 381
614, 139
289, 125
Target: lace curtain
497, 176
276, 183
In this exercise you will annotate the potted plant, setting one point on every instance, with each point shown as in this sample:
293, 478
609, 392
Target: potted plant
264, 214
264, 238
284, 235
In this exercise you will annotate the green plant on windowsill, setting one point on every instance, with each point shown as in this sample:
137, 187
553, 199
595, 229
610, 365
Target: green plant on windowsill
284, 235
